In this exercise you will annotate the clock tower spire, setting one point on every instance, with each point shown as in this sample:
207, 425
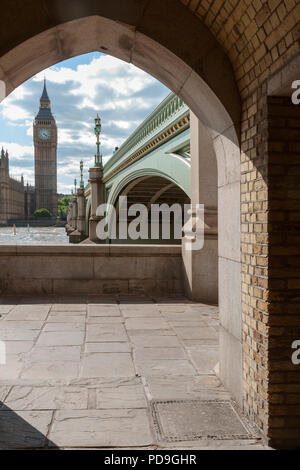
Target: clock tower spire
45, 155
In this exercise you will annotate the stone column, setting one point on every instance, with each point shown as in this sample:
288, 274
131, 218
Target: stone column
81, 211
78, 235
74, 213
69, 219
201, 266
97, 198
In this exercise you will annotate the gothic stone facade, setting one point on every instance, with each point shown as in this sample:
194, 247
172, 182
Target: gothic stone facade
11, 193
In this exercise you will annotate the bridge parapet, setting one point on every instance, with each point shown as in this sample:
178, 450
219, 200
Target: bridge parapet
171, 117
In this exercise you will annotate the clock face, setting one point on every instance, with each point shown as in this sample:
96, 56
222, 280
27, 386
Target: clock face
44, 134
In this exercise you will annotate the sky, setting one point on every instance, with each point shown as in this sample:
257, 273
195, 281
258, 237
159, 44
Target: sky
78, 88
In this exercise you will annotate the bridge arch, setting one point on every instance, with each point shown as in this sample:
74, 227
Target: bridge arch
180, 176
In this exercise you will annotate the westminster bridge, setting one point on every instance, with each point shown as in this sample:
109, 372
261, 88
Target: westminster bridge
152, 166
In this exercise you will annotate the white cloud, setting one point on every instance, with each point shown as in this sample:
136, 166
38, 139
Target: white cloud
122, 94
17, 151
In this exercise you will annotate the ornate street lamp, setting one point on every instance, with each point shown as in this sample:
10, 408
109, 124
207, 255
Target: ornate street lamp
75, 185
98, 156
81, 175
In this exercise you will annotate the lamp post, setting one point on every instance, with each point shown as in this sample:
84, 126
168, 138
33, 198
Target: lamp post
75, 185
96, 185
97, 130
81, 175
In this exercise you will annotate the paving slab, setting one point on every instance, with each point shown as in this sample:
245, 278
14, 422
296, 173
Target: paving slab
18, 347
4, 392
164, 367
138, 306
189, 332
47, 398
25, 429
107, 365
141, 354
195, 343
71, 313
11, 370
106, 333
101, 428
28, 313
141, 313
19, 331
4, 309
53, 354
104, 320
171, 388
152, 341
62, 317
61, 338
121, 396
146, 324
185, 317
69, 307
103, 311
173, 308
62, 327
205, 359
50, 370
107, 348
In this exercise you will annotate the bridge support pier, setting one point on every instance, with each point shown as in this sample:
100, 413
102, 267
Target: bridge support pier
201, 266
97, 198
79, 234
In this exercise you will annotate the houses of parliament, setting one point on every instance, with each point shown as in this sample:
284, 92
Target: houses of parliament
17, 201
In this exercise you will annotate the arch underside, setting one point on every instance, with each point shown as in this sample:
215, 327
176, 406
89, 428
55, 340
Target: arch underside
147, 191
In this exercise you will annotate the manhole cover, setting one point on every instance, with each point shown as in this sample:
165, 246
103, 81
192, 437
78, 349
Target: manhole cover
187, 420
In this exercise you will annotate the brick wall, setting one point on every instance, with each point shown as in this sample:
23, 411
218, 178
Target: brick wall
283, 298
254, 247
260, 37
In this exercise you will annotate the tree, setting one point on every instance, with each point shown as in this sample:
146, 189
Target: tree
42, 213
63, 205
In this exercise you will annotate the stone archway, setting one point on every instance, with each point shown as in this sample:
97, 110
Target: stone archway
201, 76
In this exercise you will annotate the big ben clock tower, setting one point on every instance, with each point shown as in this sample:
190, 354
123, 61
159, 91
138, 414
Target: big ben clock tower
45, 156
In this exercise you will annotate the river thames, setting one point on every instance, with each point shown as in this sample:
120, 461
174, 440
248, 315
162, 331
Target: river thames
33, 236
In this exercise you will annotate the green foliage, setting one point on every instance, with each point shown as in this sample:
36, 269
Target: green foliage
42, 213
63, 205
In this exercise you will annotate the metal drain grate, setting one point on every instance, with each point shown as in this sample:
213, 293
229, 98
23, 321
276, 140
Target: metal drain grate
188, 420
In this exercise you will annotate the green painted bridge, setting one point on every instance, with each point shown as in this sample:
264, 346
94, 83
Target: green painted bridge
153, 164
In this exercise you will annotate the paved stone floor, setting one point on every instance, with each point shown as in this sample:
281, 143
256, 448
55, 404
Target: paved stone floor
81, 372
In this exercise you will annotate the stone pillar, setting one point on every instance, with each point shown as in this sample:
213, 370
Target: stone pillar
74, 213
81, 211
201, 266
78, 235
69, 214
97, 198
69, 219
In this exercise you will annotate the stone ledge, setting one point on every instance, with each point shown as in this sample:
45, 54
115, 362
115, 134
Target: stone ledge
95, 250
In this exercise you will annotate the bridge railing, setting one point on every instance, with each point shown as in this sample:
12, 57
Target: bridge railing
168, 113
